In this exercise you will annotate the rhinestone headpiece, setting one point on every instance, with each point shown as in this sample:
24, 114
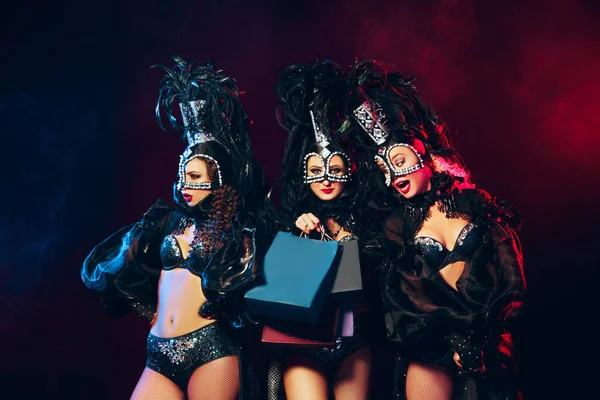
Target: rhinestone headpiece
192, 113
372, 119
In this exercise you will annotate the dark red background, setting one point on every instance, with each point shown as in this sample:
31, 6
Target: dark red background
516, 81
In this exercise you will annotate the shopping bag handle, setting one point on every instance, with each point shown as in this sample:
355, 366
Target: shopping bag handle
324, 236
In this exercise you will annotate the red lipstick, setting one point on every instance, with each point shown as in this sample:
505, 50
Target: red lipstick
404, 186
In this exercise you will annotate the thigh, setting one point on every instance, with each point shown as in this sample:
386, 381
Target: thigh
427, 381
216, 380
304, 379
274, 377
155, 386
353, 375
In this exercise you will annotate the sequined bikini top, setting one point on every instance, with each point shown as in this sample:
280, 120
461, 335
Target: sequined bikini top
435, 254
172, 256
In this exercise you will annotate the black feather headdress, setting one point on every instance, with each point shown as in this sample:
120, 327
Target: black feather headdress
406, 115
217, 127
311, 97
406, 118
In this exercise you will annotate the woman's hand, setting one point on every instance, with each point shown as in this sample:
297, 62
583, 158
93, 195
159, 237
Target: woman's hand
336, 230
457, 360
308, 222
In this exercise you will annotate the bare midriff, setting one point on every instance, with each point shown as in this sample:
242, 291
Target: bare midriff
179, 300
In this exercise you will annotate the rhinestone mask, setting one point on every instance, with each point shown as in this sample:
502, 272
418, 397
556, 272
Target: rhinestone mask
391, 171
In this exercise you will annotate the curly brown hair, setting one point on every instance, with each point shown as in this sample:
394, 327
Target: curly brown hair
224, 206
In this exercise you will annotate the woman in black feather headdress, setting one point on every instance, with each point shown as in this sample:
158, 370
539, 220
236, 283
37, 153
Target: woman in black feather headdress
317, 194
186, 267
453, 282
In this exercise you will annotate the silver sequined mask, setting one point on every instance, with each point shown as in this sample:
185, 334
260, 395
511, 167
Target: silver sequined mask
326, 165
325, 156
186, 157
390, 169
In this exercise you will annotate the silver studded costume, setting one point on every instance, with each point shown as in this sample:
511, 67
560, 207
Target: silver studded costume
427, 319
125, 268
178, 357
431, 322
310, 111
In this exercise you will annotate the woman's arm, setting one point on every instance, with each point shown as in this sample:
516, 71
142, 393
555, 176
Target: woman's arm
124, 269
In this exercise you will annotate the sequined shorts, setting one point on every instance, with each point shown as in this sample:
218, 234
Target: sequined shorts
330, 357
178, 357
